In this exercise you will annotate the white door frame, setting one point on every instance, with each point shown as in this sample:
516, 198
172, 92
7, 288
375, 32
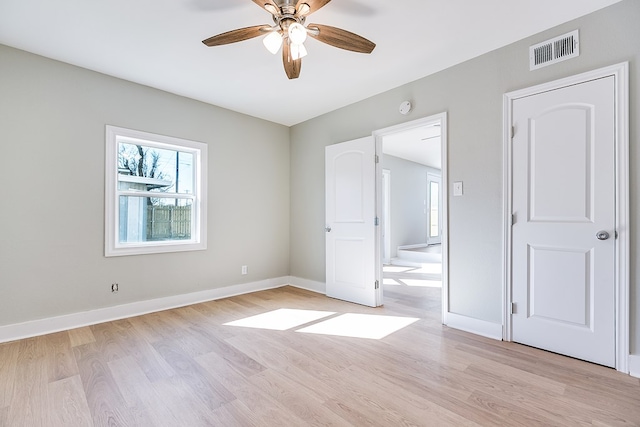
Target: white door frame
379, 135
621, 75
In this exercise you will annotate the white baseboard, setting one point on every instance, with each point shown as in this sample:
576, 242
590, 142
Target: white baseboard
307, 284
75, 320
475, 326
634, 365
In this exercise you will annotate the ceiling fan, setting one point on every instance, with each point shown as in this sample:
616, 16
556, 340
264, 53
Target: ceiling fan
290, 32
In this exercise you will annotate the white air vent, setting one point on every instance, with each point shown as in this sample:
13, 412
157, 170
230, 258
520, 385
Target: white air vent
555, 50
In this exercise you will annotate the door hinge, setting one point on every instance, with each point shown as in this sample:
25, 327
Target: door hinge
513, 131
377, 284
513, 309
377, 159
376, 221
513, 218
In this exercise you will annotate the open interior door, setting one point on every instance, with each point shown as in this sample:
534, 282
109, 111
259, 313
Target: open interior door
353, 269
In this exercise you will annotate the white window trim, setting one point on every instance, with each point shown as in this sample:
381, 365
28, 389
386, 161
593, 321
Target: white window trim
198, 240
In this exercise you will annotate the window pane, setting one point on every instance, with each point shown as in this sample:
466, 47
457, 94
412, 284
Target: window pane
144, 219
434, 226
155, 193
154, 169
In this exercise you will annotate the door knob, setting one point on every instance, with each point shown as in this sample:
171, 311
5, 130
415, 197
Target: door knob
327, 229
602, 235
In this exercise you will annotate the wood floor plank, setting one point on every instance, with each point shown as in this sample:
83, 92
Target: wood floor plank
108, 342
412, 408
512, 414
236, 414
267, 410
555, 367
209, 391
31, 350
298, 400
317, 348
68, 404
248, 301
179, 398
615, 402
238, 359
4, 416
8, 363
188, 367
106, 404
309, 374
29, 400
152, 327
61, 362
147, 358
441, 378
217, 313
139, 394
564, 411
81, 336
516, 378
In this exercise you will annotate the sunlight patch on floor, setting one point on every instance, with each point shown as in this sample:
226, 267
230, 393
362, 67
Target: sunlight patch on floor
434, 268
395, 269
390, 282
360, 326
281, 319
422, 283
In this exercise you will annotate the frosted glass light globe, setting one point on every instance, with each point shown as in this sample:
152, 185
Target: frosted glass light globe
273, 42
297, 33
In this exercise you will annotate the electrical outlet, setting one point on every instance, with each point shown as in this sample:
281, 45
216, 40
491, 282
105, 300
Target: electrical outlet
114, 287
245, 270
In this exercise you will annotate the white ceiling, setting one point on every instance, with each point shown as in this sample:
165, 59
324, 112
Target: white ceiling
158, 43
421, 145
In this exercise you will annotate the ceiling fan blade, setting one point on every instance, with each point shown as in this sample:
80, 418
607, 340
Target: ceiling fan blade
291, 67
340, 38
268, 5
314, 5
237, 35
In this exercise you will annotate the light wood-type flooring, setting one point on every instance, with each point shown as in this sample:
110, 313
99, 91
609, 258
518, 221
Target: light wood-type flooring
185, 367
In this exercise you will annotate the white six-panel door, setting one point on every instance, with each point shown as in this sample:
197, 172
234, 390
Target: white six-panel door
350, 187
563, 284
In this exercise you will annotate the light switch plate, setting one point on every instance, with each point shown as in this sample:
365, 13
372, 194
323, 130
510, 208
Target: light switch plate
457, 188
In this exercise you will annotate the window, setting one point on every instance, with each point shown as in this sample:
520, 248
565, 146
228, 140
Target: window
155, 193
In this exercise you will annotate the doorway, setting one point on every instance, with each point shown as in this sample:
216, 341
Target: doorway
413, 214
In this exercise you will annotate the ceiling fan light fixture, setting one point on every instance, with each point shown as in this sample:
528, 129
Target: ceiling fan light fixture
297, 33
289, 32
303, 9
298, 51
271, 9
273, 42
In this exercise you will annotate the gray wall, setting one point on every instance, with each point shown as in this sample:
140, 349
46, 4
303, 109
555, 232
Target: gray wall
408, 195
52, 118
471, 94
52, 123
